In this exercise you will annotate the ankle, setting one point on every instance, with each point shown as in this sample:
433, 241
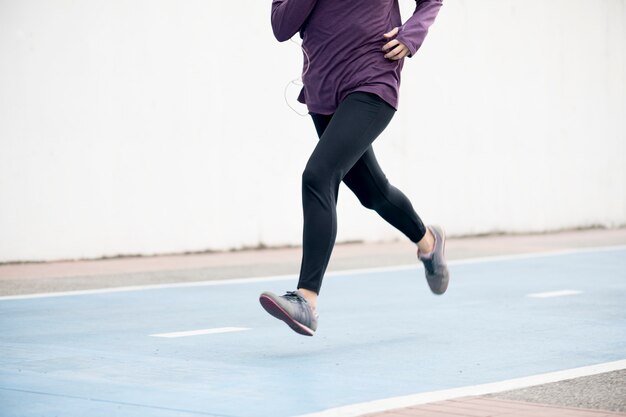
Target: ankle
310, 297
426, 245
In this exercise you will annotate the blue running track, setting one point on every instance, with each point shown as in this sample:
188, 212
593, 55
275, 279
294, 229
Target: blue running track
381, 334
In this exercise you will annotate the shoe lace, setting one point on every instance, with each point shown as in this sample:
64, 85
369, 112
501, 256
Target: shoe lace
295, 297
292, 295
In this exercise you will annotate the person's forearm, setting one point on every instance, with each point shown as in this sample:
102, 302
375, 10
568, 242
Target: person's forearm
288, 16
414, 31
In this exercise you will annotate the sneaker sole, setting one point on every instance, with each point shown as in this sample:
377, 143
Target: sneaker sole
277, 311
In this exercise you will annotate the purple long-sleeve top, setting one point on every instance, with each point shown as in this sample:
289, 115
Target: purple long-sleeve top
343, 40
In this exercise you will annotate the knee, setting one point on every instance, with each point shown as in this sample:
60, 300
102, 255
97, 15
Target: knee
313, 178
368, 202
376, 197
372, 202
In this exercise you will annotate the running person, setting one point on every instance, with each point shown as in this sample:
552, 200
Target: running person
355, 50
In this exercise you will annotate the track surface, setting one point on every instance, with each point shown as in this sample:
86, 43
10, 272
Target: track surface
381, 334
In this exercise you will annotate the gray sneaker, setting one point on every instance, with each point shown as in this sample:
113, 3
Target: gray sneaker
293, 309
435, 263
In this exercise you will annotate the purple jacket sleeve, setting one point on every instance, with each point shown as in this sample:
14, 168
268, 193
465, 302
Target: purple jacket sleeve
288, 16
414, 30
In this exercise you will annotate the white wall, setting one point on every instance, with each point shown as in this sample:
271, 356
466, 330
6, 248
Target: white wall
142, 127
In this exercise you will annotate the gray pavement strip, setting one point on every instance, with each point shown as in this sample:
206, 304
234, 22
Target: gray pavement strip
268, 263
79, 283
17, 286
602, 392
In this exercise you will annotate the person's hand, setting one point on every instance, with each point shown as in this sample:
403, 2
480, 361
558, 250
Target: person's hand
395, 49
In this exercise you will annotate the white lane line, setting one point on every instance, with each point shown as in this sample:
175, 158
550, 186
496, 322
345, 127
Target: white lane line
291, 277
551, 294
387, 404
201, 331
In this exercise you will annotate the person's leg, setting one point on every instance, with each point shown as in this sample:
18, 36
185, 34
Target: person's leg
320, 121
345, 136
368, 182
358, 121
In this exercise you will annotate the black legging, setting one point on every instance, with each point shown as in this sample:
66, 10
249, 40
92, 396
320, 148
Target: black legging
344, 152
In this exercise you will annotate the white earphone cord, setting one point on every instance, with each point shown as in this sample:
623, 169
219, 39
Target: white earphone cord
298, 81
